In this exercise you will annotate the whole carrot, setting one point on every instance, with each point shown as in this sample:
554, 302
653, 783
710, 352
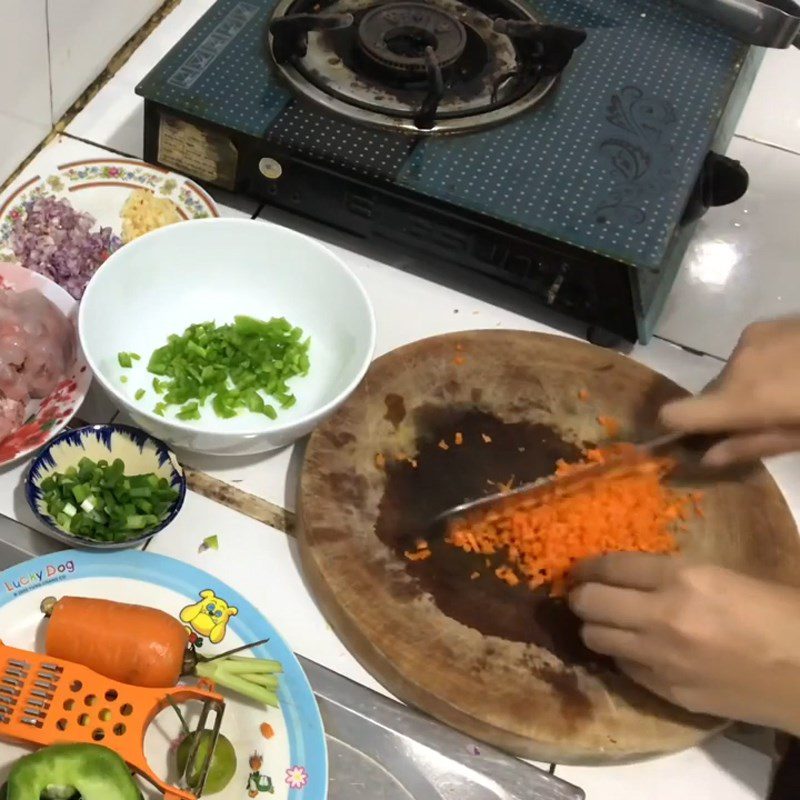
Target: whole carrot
133, 644
144, 646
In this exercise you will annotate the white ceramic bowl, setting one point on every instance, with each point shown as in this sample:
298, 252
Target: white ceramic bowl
214, 270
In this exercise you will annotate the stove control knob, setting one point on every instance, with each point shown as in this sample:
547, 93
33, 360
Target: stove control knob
270, 169
722, 181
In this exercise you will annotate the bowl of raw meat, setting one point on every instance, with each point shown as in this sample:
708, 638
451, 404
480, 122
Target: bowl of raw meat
44, 377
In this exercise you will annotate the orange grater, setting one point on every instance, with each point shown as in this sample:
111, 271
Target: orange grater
46, 701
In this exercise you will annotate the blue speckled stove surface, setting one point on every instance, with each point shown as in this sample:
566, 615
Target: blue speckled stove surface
606, 164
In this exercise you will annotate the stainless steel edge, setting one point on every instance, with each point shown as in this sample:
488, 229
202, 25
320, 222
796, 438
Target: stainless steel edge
765, 24
409, 755
18, 543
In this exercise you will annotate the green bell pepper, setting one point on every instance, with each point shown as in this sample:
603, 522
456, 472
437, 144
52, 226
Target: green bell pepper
59, 771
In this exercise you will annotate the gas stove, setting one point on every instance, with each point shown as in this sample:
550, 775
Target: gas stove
566, 147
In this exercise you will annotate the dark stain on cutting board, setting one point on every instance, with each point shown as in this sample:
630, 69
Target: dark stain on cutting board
395, 410
444, 478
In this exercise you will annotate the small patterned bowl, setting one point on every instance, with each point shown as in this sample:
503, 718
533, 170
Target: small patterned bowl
140, 453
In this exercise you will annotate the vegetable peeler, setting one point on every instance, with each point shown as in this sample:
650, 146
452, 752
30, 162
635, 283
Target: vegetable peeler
46, 701
765, 23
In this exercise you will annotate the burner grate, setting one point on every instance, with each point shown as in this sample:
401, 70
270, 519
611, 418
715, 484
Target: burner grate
437, 66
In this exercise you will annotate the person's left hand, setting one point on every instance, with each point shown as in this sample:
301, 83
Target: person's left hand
705, 638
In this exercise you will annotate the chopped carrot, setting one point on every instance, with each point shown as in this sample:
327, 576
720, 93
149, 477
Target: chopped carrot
502, 488
267, 730
419, 555
380, 460
474, 576
584, 395
611, 426
508, 575
459, 438
486, 439
458, 361
443, 445
628, 509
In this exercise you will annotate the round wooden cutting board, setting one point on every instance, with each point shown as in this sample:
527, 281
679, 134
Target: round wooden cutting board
505, 665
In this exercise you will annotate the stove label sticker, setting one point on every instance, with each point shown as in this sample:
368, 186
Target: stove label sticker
203, 154
211, 47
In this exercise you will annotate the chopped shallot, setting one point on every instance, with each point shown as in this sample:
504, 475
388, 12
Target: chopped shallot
54, 239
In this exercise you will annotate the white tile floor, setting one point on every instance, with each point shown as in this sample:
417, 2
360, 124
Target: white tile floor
743, 265
772, 113
411, 303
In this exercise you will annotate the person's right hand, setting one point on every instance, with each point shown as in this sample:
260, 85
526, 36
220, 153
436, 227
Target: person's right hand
755, 400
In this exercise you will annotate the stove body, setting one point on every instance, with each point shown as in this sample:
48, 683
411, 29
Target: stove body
565, 147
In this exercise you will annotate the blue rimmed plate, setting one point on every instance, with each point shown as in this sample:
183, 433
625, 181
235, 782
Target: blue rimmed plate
141, 454
291, 765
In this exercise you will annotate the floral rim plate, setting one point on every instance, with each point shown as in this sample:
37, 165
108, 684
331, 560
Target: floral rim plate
291, 765
101, 187
46, 417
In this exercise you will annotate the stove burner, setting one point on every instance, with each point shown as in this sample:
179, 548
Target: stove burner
421, 66
399, 35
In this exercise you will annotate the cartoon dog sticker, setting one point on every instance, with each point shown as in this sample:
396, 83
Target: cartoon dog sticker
209, 618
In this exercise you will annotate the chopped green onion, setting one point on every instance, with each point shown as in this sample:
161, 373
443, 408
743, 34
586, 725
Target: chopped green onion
252, 677
123, 379
96, 500
140, 393
209, 543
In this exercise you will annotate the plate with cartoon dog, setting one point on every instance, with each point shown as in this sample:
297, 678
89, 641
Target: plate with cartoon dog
280, 752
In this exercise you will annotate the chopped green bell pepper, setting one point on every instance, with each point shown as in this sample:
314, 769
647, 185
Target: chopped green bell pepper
60, 771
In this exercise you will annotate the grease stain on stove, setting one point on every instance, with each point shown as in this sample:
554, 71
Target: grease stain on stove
444, 478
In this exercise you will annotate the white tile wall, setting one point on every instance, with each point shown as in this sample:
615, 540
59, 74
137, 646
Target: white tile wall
84, 34
25, 82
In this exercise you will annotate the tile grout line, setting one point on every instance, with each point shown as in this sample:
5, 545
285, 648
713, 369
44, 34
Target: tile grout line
754, 140
49, 59
692, 350
101, 145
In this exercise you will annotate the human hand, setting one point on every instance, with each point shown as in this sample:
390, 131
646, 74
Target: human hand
755, 400
702, 637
